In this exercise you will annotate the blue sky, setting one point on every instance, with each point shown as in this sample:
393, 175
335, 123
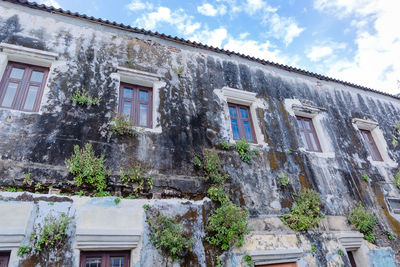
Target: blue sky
352, 40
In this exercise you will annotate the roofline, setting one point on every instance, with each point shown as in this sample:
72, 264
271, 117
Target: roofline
182, 41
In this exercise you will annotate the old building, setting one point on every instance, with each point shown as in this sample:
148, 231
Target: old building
185, 98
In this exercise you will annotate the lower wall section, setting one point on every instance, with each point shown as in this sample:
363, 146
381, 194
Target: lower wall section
102, 227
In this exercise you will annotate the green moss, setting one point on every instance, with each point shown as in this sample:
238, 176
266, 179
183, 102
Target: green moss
313, 248
365, 177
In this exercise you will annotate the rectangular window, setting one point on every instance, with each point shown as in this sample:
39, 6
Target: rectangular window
22, 86
4, 258
308, 134
242, 126
371, 146
105, 259
351, 258
135, 102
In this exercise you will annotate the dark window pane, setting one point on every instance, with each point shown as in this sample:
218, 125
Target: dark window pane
93, 262
143, 95
10, 94
232, 111
247, 130
243, 113
37, 76
143, 115
128, 93
127, 108
235, 130
117, 262
31, 97
17, 73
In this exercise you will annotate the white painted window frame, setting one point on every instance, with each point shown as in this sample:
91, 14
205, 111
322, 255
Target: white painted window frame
379, 139
245, 98
295, 108
287, 255
147, 79
36, 57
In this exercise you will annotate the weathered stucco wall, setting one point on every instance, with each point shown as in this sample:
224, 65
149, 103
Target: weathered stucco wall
190, 115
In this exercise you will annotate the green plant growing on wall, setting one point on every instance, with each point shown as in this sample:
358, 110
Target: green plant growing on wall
80, 97
27, 178
178, 71
365, 177
197, 162
225, 145
227, 225
242, 146
364, 222
216, 193
340, 252
50, 235
122, 125
87, 168
396, 135
167, 234
306, 212
313, 248
137, 178
248, 260
397, 179
283, 179
391, 235
117, 200
211, 167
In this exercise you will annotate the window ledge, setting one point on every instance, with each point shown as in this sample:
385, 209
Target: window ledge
318, 154
138, 77
238, 96
261, 257
28, 55
100, 239
307, 110
365, 124
11, 238
350, 240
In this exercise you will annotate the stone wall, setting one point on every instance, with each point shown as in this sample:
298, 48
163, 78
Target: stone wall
190, 115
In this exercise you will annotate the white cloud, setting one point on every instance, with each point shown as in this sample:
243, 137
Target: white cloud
325, 51
136, 5
53, 3
376, 60
209, 10
178, 18
213, 37
283, 28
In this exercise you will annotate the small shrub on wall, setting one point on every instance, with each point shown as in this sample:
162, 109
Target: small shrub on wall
81, 97
168, 234
87, 168
364, 222
306, 212
211, 167
122, 125
227, 225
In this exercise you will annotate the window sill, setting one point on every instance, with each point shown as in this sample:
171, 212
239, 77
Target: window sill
327, 155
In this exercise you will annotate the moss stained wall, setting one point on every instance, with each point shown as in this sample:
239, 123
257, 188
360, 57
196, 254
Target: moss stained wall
190, 117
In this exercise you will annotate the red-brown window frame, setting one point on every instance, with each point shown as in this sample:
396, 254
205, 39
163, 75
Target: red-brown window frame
135, 106
5, 256
105, 257
240, 120
23, 86
307, 132
371, 145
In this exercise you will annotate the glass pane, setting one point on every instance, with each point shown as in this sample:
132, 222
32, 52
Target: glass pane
31, 97
37, 76
299, 123
10, 94
247, 130
313, 142
143, 115
128, 93
17, 73
303, 138
243, 113
235, 130
127, 108
143, 95
232, 111
308, 124
93, 262
117, 262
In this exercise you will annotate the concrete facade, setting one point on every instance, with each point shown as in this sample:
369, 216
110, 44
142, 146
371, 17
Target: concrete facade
189, 114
